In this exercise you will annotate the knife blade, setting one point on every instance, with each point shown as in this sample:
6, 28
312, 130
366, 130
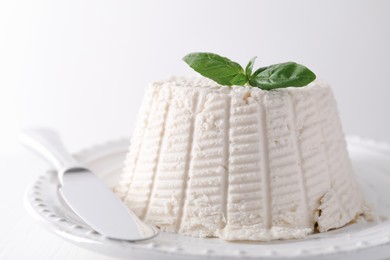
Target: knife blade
85, 193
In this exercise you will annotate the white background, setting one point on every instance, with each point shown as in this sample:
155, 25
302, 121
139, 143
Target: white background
81, 66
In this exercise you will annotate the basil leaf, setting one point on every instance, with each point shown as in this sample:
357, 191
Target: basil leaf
218, 68
289, 74
255, 74
249, 67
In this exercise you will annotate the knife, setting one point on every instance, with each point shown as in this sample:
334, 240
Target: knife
84, 192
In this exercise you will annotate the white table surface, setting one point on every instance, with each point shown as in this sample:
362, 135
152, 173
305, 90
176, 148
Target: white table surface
21, 237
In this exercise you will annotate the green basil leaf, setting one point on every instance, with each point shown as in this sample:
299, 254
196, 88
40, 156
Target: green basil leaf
249, 67
255, 74
289, 74
218, 68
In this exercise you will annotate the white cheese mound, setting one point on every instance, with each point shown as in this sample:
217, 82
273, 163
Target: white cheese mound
240, 163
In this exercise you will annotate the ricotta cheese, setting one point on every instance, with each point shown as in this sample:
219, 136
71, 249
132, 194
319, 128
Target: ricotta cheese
240, 163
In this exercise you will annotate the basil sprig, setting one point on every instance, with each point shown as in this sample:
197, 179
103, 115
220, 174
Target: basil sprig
226, 72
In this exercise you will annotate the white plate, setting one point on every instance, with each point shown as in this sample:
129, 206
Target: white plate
361, 240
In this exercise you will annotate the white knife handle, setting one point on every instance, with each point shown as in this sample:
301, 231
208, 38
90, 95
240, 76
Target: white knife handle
47, 143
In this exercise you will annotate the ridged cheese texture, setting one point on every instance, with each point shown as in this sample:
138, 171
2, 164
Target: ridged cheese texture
240, 163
